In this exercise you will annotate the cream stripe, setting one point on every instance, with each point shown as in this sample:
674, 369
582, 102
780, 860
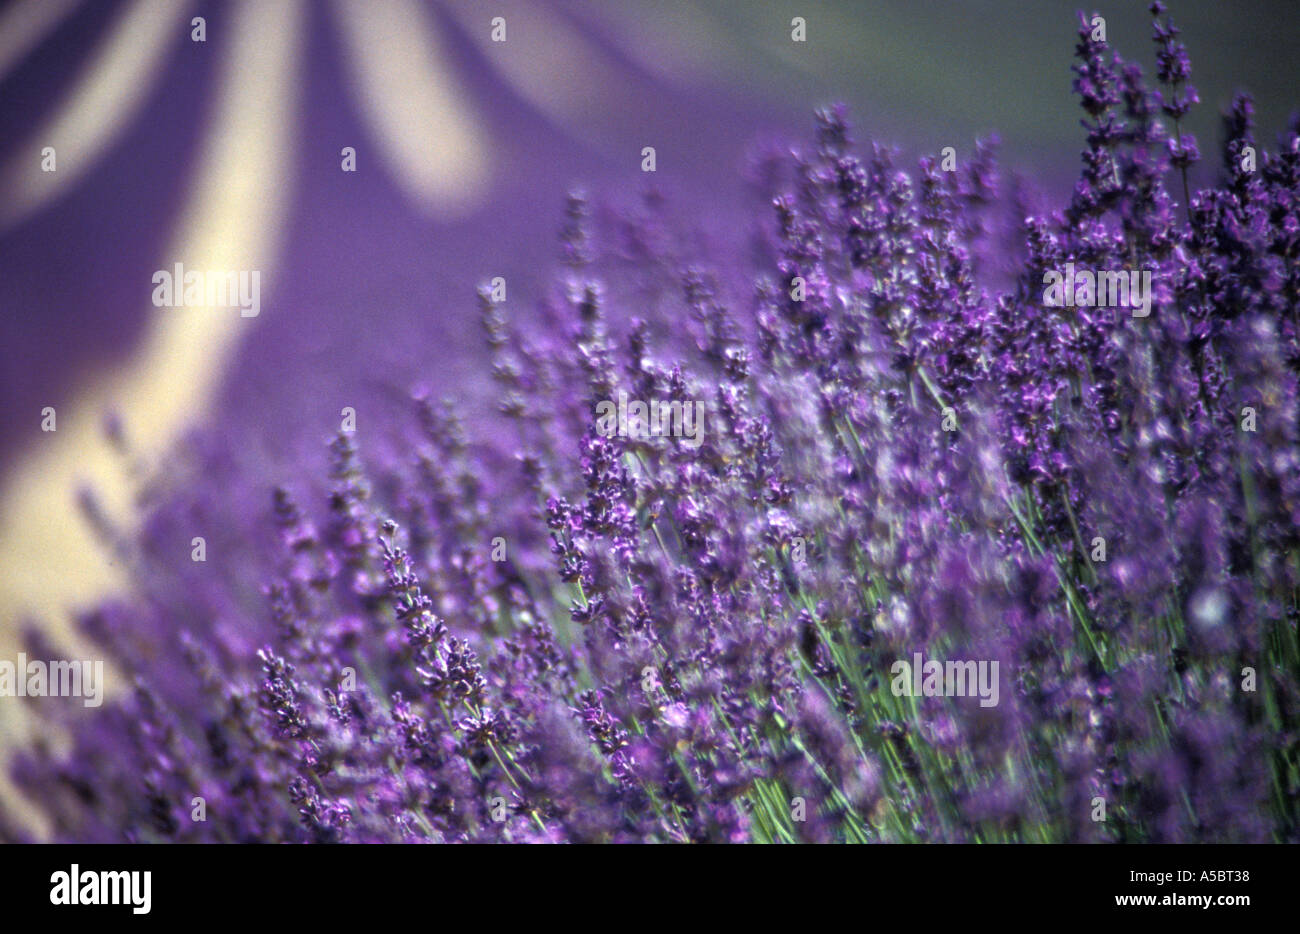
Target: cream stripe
25, 25
418, 114
109, 92
51, 561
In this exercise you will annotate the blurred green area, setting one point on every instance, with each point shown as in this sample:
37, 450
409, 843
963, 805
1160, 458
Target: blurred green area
926, 73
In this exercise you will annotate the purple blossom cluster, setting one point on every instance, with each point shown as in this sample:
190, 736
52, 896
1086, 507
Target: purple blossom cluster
540, 632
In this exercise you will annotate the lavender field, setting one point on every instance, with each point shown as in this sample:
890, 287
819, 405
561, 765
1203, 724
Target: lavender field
918, 502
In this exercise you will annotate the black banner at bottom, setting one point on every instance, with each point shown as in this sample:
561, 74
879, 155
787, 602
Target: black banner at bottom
134, 884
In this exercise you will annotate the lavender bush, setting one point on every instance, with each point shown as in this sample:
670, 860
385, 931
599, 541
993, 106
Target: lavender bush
560, 632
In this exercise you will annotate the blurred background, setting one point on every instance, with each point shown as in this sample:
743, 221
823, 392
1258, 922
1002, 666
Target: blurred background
227, 153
